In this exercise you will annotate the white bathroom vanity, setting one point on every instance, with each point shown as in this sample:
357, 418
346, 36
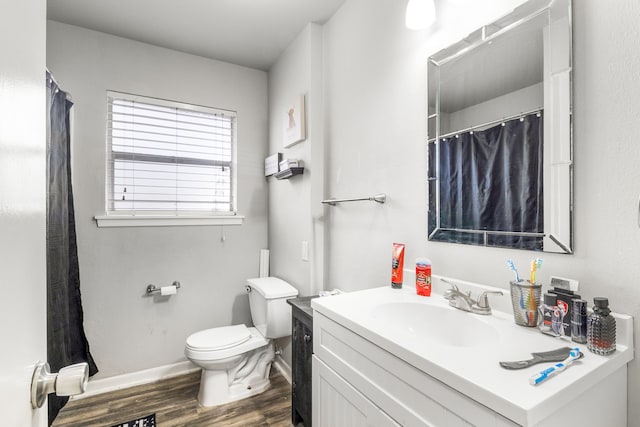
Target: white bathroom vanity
387, 357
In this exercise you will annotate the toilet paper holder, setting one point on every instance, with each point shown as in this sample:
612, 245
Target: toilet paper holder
151, 289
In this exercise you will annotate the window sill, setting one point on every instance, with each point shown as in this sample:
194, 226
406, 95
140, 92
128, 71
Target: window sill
104, 221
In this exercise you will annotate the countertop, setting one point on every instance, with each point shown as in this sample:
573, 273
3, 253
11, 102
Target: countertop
303, 303
474, 371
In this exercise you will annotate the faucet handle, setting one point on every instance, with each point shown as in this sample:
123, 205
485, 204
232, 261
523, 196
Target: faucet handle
483, 301
453, 289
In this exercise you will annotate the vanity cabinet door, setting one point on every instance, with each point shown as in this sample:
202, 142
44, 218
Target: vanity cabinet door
302, 336
338, 404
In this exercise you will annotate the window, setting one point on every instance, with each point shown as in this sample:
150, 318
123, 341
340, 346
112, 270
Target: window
166, 159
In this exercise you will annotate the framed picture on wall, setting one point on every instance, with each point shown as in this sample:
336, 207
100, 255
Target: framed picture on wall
294, 124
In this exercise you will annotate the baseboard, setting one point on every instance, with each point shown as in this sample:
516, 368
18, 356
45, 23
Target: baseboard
282, 366
104, 385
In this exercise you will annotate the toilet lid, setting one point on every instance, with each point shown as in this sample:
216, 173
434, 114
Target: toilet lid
219, 338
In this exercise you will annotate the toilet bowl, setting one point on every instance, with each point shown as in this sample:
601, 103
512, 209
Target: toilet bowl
236, 360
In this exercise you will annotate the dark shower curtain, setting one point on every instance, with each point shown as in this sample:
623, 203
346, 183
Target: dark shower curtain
66, 340
492, 180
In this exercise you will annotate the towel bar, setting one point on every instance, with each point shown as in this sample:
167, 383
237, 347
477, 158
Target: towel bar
380, 198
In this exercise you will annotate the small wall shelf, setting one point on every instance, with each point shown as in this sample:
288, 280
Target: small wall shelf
288, 173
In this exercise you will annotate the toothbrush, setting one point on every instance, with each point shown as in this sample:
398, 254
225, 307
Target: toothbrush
512, 266
535, 265
574, 354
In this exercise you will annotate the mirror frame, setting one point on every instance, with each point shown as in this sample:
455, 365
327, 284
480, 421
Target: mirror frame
558, 129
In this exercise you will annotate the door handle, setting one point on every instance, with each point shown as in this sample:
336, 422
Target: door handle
69, 381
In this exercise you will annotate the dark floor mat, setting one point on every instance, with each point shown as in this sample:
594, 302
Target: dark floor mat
148, 421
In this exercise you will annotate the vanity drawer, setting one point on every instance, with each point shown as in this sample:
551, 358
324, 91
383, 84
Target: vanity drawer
406, 394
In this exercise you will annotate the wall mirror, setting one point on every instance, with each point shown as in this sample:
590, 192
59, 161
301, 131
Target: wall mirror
500, 133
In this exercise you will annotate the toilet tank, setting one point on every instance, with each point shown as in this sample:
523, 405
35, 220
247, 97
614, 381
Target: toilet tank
269, 309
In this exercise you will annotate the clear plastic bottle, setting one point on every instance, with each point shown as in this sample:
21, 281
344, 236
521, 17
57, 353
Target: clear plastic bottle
601, 328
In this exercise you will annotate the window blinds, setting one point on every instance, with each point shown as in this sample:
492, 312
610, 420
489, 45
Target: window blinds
168, 158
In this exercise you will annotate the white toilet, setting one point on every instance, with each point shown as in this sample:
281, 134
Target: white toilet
236, 360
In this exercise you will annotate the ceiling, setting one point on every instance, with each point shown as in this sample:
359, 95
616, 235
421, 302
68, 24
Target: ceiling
252, 33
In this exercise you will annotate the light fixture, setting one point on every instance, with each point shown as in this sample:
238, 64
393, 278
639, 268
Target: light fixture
420, 14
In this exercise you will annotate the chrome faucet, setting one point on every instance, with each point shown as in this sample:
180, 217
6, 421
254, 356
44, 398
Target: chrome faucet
465, 302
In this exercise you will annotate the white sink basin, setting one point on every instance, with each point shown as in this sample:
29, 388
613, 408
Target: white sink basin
436, 324
462, 349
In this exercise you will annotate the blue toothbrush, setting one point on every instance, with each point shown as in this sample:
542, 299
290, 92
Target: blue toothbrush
574, 355
512, 266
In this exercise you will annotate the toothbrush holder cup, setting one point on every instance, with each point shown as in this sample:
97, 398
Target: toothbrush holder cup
525, 299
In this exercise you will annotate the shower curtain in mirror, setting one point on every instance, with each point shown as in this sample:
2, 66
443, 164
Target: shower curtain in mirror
66, 340
492, 180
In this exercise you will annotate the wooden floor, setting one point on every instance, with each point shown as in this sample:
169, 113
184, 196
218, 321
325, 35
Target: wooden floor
174, 401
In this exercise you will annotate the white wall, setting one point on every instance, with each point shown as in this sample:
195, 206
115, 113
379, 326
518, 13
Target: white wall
294, 204
127, 330
289, 206
375, 127
521, 100
374, 71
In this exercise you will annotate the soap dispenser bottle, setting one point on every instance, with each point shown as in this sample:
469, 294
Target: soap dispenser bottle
601, 328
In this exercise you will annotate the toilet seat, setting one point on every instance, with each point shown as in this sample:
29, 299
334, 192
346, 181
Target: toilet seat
219, 338
226, 341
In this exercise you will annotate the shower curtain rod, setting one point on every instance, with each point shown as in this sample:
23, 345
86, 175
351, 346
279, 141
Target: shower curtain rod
494, 122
